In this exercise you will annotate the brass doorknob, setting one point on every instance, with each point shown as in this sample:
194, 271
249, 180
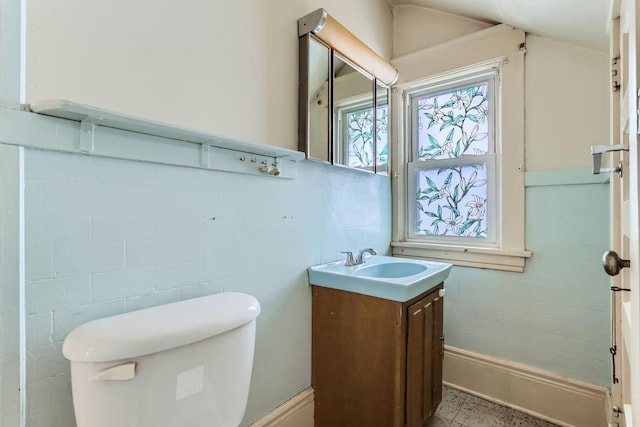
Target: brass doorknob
612, 263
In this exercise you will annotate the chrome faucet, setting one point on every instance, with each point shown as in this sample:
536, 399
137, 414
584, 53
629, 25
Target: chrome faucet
360, 259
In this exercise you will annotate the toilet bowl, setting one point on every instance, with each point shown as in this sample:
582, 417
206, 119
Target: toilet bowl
182, 364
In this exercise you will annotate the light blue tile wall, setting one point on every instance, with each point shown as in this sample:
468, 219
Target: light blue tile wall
107, 236
555, 315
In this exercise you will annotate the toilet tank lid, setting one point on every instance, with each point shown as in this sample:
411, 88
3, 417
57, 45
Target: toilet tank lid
159, 328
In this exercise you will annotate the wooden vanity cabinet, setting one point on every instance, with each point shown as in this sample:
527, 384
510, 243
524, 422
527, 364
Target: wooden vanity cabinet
376, 362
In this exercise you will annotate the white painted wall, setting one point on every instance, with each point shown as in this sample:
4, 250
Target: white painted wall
227, 67
410, 23
555, 315
567, 92
11, 58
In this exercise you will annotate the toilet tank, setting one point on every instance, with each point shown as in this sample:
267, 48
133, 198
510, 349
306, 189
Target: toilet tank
182, 364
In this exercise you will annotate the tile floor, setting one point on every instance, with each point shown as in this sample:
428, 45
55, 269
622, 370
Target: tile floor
459, 409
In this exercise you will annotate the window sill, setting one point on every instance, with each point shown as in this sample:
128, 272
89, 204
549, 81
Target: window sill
489, 258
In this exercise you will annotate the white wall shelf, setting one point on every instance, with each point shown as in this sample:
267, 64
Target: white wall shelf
91, 130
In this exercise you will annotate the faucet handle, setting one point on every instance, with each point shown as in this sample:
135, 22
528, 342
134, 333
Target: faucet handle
349, 260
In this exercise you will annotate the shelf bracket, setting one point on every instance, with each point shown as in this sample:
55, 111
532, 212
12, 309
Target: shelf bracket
87, 133
205, 155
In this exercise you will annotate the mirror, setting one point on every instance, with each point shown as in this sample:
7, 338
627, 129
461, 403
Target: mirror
318, 101
353, 116
343, 113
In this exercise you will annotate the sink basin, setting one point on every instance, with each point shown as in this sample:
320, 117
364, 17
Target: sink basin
391, 270
393, 278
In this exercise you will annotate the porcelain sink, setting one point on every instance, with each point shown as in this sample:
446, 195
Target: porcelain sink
397, 279
391, 270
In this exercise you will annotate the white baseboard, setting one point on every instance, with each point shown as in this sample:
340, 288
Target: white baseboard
545, 395
548, 396
295, 412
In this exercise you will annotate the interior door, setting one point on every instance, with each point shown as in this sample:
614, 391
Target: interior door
625, 268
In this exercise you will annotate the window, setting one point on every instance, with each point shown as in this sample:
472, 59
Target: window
452, 161
356, 130
458, 181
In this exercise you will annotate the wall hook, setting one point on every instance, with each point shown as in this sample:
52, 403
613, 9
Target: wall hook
265, 167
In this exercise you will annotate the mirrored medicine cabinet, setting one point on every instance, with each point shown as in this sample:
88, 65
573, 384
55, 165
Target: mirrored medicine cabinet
344, 97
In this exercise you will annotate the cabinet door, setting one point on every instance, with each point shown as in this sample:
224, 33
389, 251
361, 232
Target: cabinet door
421, 346
438, 349
358, 359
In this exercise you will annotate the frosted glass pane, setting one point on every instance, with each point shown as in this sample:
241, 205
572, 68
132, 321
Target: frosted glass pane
382, 131
360, 137
382, 138
452, 201
453, 123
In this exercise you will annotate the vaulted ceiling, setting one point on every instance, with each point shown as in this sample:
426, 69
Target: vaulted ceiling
580, 22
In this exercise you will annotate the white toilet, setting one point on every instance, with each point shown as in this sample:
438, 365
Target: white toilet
176, 365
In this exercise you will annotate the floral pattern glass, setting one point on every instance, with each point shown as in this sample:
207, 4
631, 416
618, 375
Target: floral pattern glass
383, 139
360, 137
452, 201
453, 123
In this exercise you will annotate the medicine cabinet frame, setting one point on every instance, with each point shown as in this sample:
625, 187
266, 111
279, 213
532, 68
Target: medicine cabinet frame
327, 54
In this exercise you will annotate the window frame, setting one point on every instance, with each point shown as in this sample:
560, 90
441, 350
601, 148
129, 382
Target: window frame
491, 75
508, 252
